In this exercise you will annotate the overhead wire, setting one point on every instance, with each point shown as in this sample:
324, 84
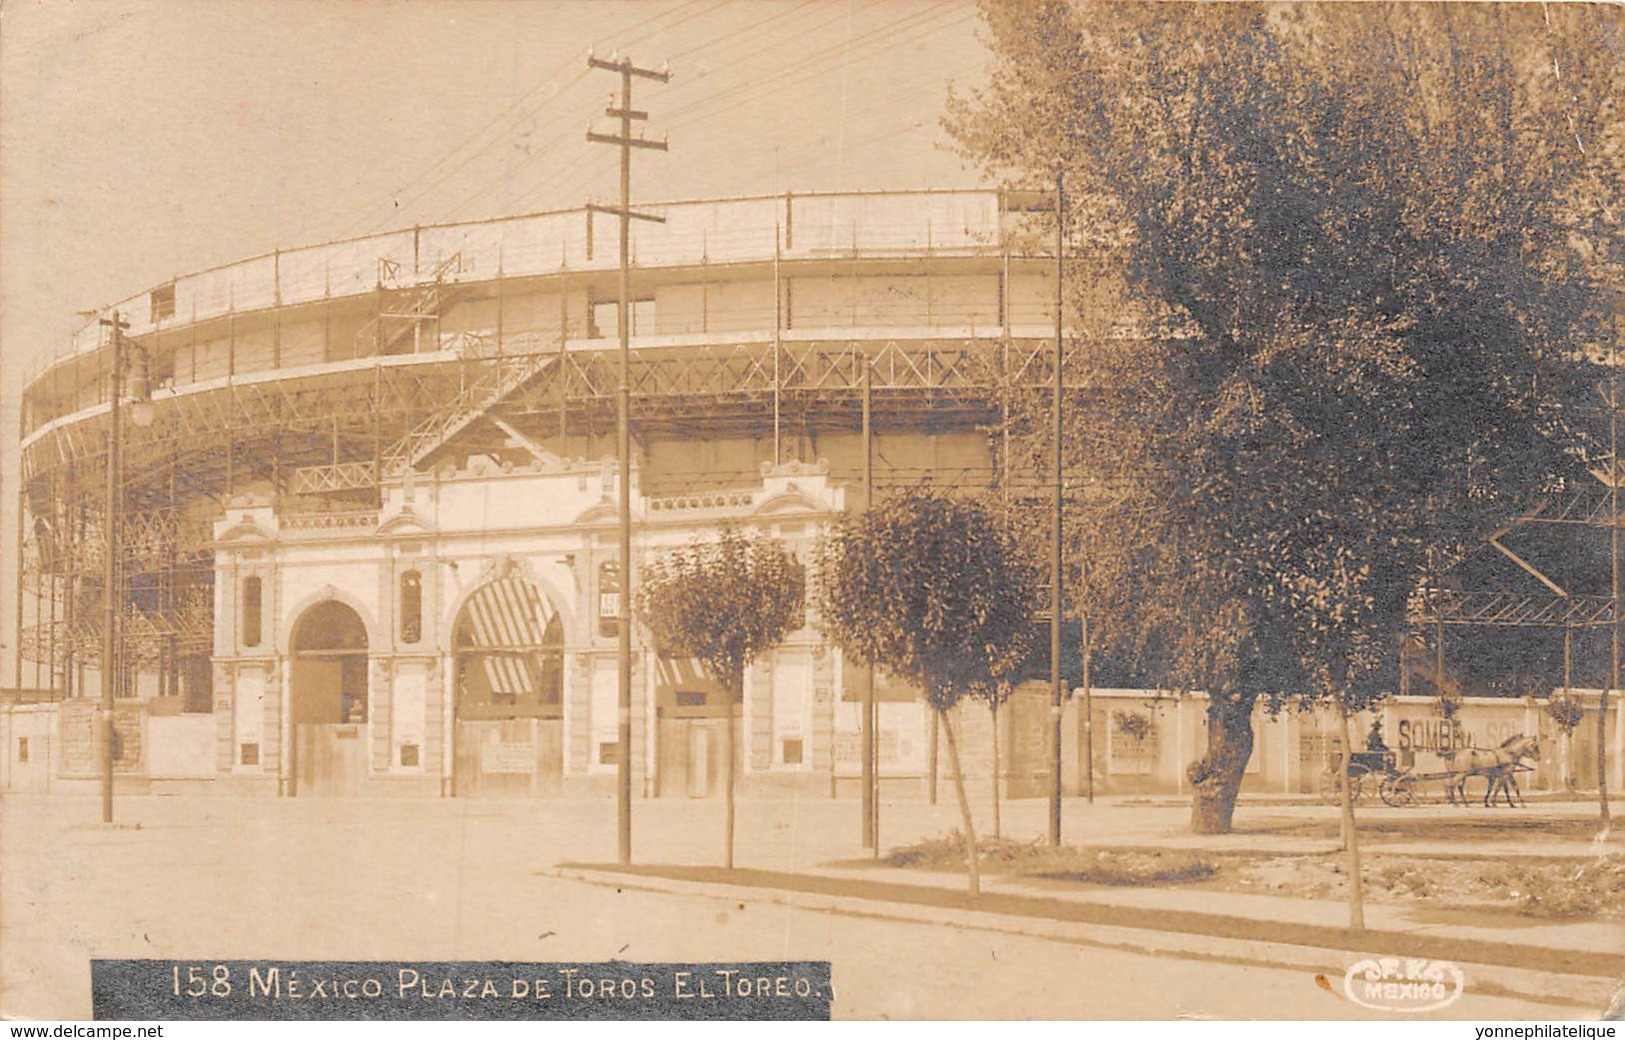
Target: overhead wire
815, 63
505, 114
566, 180
567, 170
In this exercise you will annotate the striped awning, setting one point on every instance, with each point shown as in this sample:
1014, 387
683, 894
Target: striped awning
504, 625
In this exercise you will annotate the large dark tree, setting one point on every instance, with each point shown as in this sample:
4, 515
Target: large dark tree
1335, 292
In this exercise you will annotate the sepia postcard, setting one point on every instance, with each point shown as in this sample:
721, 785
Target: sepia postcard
807, 510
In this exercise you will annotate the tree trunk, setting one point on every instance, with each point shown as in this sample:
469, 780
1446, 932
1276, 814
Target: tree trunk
728, 775
1351, 838
1216, 776
993, 710
1565, 740
964, 804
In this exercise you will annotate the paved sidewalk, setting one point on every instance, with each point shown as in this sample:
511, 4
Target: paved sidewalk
1590, 936
1257, 932
449, 879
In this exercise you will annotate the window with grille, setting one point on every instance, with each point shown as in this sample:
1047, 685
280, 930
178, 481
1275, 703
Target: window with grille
163, 302
411, 607
253, 595
609, 598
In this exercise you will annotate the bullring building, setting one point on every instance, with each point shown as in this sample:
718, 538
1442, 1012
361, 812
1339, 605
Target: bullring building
368, 535
368, 532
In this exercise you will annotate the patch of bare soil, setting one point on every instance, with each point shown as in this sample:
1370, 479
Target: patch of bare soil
1539, 888
1037, 859
1485, 825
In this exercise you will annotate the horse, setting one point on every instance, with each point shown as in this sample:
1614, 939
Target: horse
1496, 764
1507, 781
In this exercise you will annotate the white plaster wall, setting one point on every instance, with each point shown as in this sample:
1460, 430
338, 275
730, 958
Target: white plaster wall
180, 746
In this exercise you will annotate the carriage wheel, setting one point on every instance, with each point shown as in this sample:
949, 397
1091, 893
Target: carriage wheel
1330, 781
1398, 790
1331, 784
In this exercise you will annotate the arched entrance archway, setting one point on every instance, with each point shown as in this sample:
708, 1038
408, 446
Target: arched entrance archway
508, 643
328, 707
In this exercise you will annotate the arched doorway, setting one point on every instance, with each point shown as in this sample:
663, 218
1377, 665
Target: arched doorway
329, 701
508, 643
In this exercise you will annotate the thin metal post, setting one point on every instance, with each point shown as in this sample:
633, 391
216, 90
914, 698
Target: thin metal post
110, 551
1088, 714
1351, 840
778, 325
70, 535
564, 389
17, 638
871, 791
1613, 559
931, 765
1057, 692
22, 505
1438, 660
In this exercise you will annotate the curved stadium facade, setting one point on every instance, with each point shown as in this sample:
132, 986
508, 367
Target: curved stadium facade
369, 537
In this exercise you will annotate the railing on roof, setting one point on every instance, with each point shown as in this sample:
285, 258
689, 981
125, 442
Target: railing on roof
699, 231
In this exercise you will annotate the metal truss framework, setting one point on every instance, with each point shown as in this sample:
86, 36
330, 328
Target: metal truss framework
324, 439
1585, 505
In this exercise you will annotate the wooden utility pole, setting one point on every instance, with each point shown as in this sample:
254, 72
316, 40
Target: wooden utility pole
110, 550
623, 438
1057, 690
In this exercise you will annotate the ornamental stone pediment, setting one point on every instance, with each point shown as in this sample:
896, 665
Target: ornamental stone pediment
788, 501
246, 529
405, 522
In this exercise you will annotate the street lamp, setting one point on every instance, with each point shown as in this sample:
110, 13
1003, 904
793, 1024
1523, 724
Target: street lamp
142, 414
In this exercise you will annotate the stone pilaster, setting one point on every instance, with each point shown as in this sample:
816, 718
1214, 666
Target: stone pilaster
822, 737
757, 725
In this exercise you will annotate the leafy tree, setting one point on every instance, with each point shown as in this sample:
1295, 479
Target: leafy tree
1333, 268
933, 589
1566, 712
724, 604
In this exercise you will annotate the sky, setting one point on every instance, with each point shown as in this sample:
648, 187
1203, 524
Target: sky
144, 139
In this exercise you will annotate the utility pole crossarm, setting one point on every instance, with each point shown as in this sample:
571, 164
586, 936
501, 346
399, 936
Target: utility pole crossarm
616, 211
625, 67
627, 141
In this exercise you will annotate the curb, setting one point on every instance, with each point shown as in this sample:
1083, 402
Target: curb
1589, 990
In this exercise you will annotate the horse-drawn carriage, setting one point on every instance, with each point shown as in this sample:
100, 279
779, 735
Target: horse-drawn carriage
1369, 771
1401, 787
